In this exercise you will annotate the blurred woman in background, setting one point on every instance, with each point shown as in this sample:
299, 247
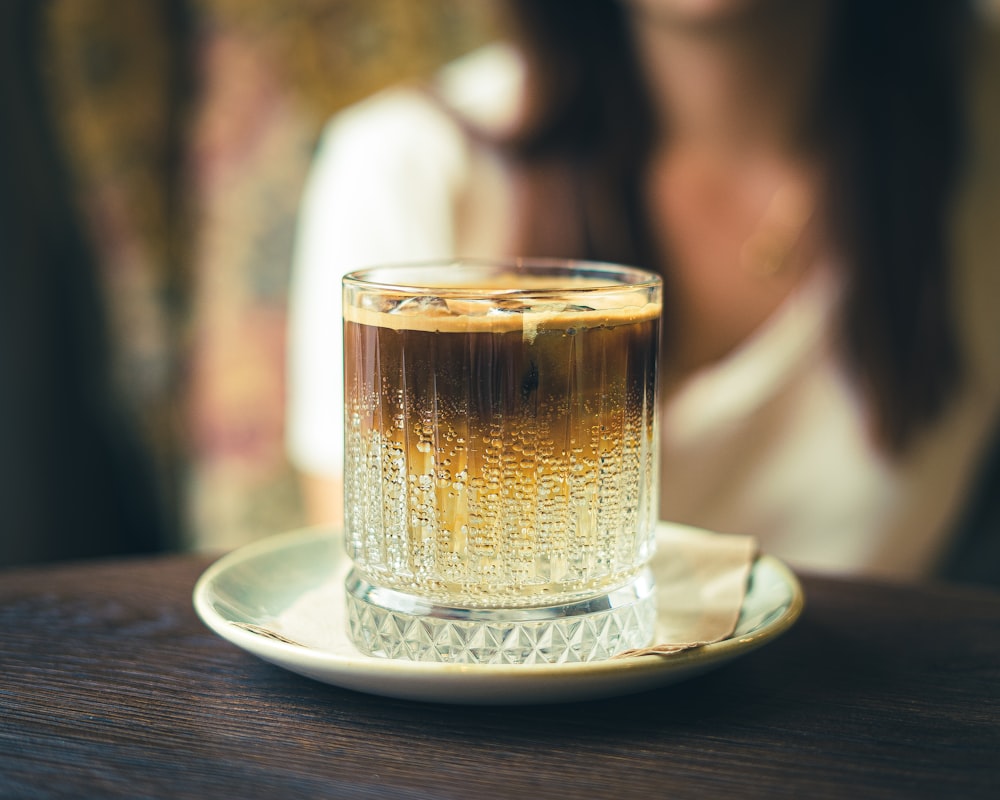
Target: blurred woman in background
808, 182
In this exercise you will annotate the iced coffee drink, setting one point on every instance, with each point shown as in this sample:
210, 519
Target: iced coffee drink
500, 426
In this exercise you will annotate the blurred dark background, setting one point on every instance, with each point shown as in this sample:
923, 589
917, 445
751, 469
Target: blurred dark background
152, 154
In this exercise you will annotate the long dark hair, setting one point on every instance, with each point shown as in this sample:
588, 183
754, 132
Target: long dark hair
890, 116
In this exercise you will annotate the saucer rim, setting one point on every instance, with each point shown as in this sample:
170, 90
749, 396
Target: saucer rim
479, 683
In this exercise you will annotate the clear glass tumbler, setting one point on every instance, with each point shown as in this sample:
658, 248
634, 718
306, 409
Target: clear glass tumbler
501, 459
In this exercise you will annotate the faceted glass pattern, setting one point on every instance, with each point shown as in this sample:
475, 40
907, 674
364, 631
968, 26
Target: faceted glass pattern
592, 636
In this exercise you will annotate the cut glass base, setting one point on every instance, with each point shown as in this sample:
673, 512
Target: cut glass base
391, 624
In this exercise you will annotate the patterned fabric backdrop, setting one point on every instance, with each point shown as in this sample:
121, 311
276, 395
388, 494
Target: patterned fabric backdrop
190, 126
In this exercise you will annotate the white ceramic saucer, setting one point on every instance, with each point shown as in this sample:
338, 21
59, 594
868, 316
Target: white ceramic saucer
250, 589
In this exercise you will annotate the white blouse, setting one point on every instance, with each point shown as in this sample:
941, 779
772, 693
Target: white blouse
770, 441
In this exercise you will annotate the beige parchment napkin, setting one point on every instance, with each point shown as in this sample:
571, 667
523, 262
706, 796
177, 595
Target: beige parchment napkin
701, 580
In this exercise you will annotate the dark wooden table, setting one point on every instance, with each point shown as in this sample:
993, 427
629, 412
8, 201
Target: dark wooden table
110, 686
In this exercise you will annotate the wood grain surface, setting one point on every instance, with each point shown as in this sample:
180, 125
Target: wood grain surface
110, 686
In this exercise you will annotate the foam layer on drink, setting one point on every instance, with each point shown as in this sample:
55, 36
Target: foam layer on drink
471, 315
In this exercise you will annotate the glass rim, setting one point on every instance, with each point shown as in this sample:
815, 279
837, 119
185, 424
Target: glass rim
621, 277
